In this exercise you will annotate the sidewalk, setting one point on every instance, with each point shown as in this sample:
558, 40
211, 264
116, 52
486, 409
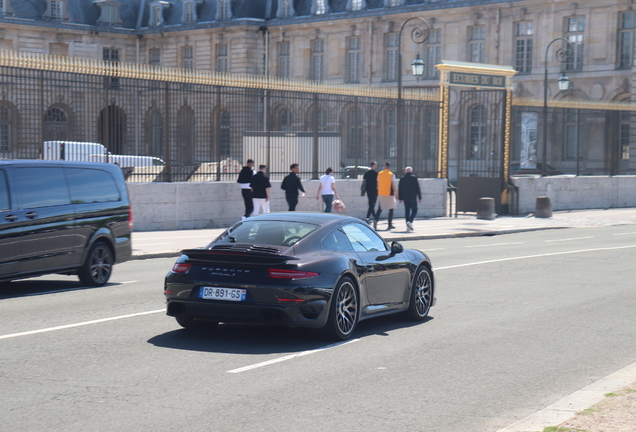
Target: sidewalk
161, 244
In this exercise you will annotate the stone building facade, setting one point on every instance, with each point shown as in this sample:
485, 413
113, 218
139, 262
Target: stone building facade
343, 41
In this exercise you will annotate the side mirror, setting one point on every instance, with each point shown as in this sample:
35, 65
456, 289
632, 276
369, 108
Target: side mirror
396, 248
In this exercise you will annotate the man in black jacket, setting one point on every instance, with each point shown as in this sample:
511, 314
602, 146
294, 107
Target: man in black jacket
409, 192
291, 185
371, 186
244, 180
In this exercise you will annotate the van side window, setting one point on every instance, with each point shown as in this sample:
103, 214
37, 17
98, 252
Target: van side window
5, 202
91, 185
41, 187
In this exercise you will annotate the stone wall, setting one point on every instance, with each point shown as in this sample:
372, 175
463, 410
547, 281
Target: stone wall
191, 205
576, 193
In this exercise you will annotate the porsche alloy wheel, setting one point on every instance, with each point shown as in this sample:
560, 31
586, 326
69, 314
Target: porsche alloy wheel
343, 313
421, 295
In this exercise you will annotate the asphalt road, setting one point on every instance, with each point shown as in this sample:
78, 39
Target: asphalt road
521, 321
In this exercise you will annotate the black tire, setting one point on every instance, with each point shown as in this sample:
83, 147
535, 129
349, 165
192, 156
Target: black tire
192, 324
421, 295
344, 312
98, 265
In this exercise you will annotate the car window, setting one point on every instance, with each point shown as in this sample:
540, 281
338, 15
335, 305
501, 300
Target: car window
91, 185
5, 201
280, 233
363, 239
41, 187
337, 241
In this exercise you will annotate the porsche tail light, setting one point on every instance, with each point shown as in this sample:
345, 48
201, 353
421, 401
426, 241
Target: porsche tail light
181, 268
290, 274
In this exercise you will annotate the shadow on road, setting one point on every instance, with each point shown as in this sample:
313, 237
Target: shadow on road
252, 339
34, 287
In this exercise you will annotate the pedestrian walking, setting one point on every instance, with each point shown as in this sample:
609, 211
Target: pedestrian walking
371, 188
409, 192
244, 180
387, 194
260, 190
328, 188
291, 185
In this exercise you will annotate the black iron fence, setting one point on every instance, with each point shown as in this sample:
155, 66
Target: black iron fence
583, 138
163, 124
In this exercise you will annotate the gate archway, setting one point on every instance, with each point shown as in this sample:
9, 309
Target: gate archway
479, 143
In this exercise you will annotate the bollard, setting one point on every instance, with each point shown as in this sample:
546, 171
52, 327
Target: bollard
543, 208
486, 208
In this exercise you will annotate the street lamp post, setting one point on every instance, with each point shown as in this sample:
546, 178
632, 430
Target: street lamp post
564, 83
419, 36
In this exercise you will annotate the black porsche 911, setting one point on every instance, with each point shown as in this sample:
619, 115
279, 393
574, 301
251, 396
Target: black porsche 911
317, 270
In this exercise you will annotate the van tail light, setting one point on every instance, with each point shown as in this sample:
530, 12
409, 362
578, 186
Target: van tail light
130, 217
290, 274
181, 268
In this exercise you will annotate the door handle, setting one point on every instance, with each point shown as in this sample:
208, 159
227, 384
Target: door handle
370, 269
31, 215
11, 218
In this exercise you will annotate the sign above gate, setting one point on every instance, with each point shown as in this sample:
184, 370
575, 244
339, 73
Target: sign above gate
476, 75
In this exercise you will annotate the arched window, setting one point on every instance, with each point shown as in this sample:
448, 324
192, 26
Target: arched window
391, 132
154, 135
112, 129
354, 144
5, 129
285, 9
285, 120
56, 125
185, 132
476, 133
356, 5
223, 10
224, 138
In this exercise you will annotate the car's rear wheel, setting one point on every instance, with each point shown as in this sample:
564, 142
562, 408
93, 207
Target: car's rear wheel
192, 324
98, 265
421, 295
343, 312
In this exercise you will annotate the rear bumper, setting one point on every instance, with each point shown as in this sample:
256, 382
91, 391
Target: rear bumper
308, 314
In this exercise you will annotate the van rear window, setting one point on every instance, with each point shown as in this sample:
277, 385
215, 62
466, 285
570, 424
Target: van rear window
91, 185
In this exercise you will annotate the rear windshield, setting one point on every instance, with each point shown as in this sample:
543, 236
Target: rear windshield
280, 233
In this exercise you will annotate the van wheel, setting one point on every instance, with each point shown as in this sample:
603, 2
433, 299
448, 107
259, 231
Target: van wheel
98, 265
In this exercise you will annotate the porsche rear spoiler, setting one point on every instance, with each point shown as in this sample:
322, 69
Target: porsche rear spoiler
253, 254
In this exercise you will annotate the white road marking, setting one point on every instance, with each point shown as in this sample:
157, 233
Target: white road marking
533, 256
494, 244
137, 243
568, 239
427, 250
567, 407
68, 326
290, 357
625, 233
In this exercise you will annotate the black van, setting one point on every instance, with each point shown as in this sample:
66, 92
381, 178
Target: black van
63, 217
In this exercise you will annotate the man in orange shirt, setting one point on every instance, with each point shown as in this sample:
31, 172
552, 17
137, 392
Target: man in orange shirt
387, 194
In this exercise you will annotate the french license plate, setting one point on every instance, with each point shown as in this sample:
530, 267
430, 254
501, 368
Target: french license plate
216, 293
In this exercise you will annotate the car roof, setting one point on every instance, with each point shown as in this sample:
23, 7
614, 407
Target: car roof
321, 219
53, 162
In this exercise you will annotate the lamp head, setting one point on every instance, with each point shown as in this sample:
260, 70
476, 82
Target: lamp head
418, 66
564, 82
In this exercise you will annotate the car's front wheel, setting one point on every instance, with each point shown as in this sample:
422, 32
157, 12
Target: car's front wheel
98, 265
343, 312
421, 295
